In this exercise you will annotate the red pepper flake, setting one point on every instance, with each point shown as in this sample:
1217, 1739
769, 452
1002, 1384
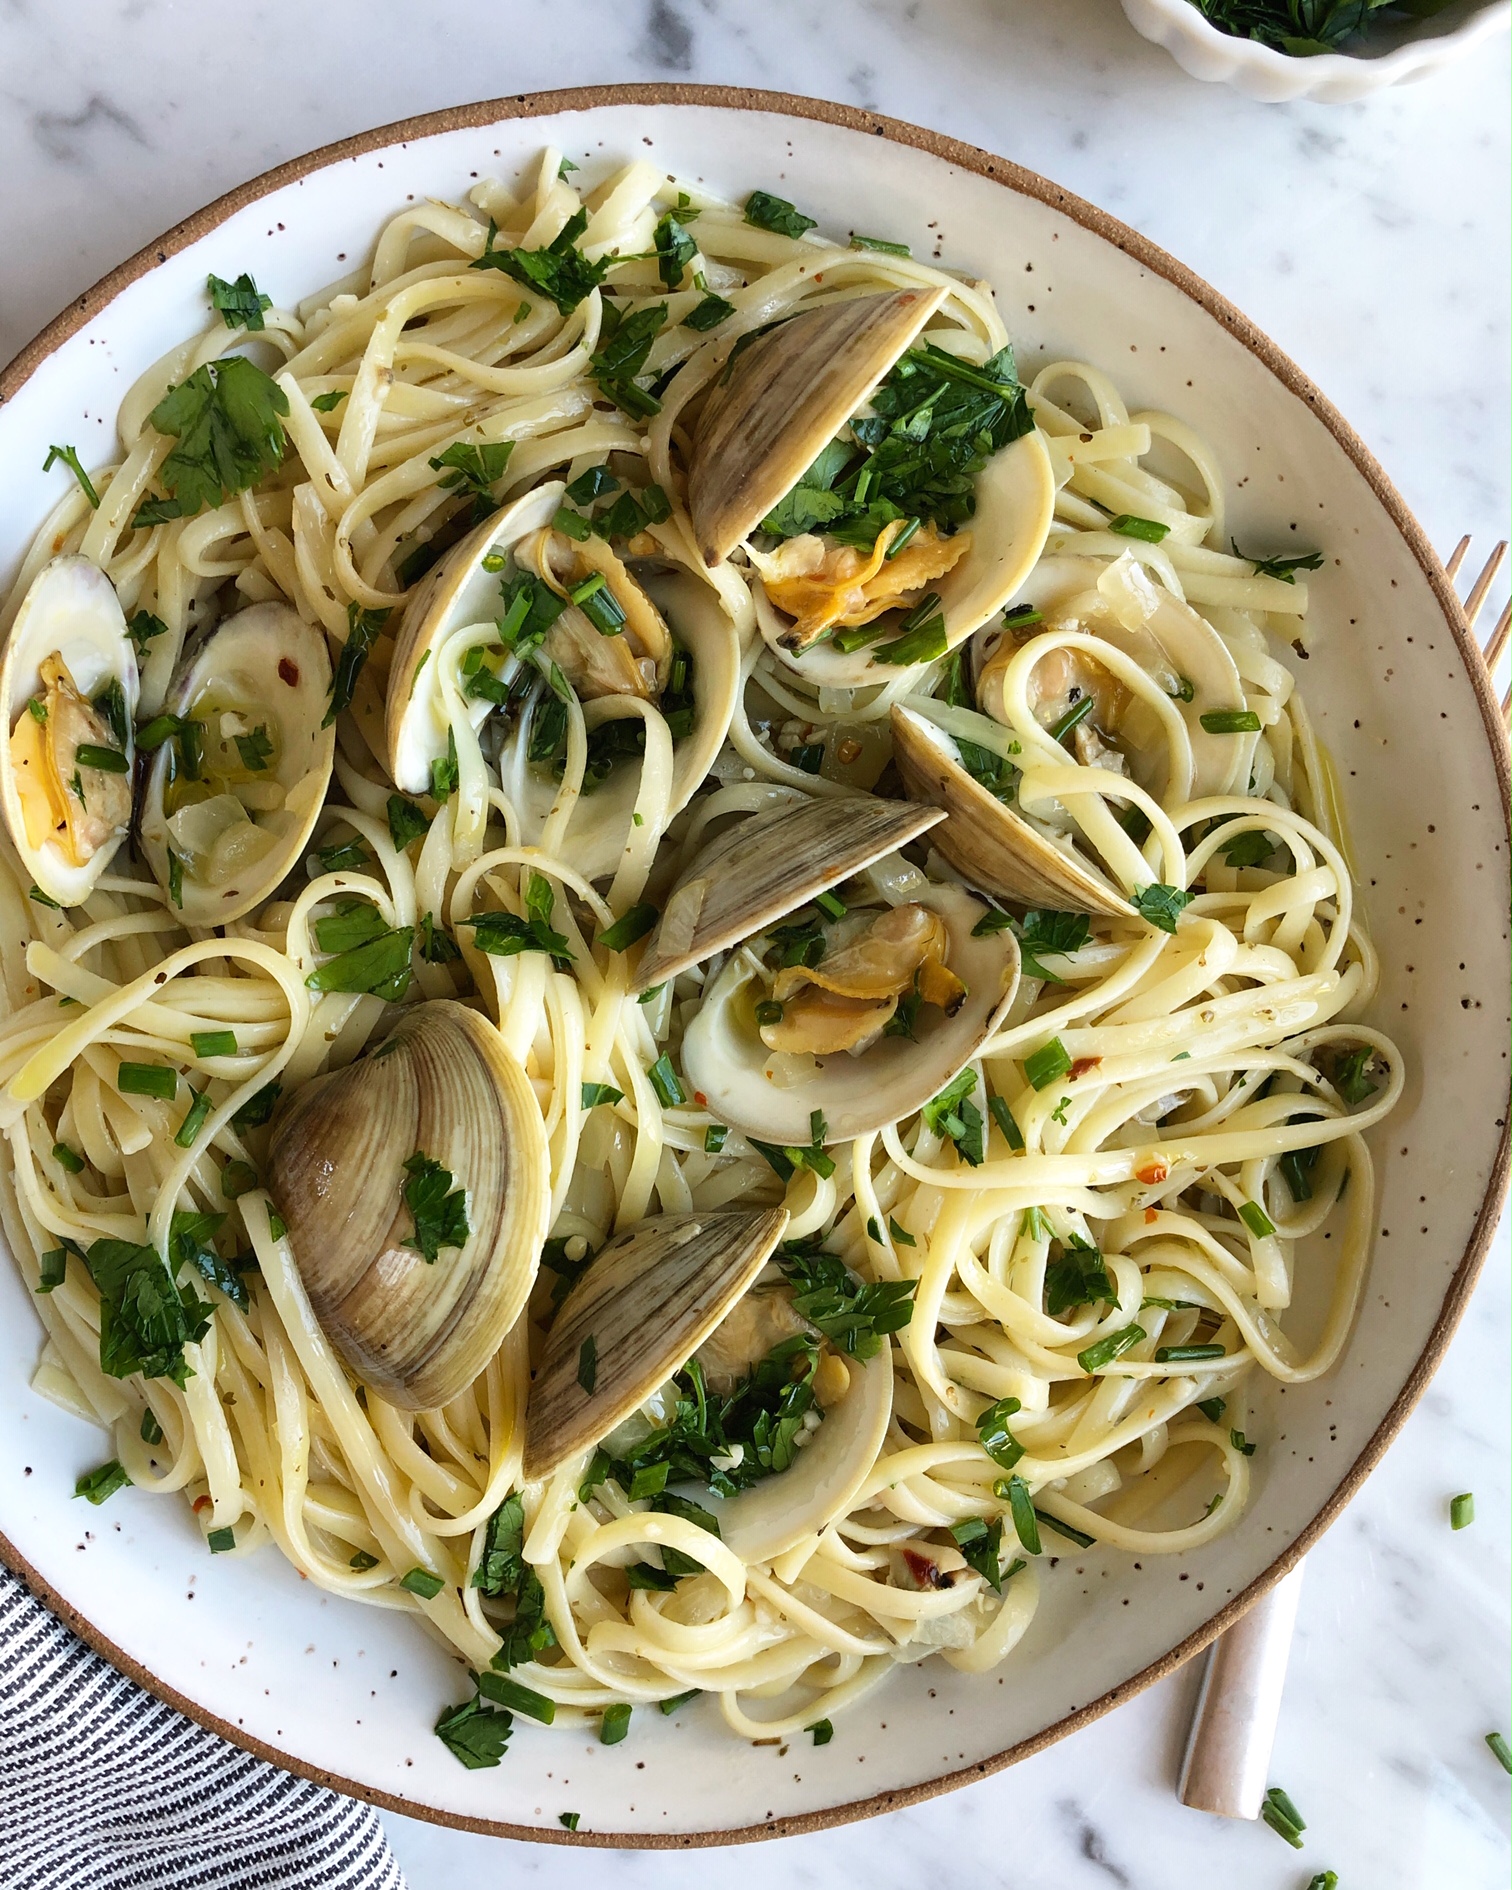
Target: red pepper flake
288, 671
1150, 1217
701, 1099
201, 1502
1152, 1172
1081, 1066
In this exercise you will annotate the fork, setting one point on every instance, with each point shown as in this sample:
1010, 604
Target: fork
1233, 1727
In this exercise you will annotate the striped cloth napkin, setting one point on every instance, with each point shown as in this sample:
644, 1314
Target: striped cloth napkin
102, 1787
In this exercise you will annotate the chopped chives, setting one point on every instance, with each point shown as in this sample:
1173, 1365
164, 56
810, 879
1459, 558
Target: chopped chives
572, 524
1077, 713
1078, 1536
1002, 1115
102, 760
615, 1723
903, 538
1503, 1752
678, 1699
421, 1582
1231, 722
221, 1541
1095, 1357
42, 899
1047, 1063
149, 1430
714, 1138
1211, 1408
146, 1079
515, 1695
54, 1270
1128, 525
568, 1820
193, 1121
849, 641
1462, 1511
213, 1043
1325, 1879
362, 1561
596, 1093
66, 1158
237, 1179
1186, 1354
99, 1485
900, 1234
830, 906
669, 1091
1283, 1817
1256, 1220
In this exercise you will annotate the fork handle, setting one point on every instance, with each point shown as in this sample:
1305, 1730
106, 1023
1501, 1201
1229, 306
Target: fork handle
1234, 1727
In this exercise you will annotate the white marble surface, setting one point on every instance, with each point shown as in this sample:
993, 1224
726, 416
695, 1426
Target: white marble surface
1370, 241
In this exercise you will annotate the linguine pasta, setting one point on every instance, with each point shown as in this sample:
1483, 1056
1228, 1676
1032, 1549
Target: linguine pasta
1094, 1238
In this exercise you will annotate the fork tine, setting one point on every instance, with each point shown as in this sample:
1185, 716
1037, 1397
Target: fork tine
1478, 590
1497, 641
1456, 558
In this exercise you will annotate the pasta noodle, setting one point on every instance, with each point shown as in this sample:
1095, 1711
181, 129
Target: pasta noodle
1210, 1078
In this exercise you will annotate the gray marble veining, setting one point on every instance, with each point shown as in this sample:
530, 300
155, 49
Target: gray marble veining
1370, 241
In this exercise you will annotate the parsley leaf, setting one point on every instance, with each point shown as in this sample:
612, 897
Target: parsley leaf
1077, 1278
439, 1209
560, 272
766, 212
622, 356
856, 1315
363, 628
381, 966
227, 420
475, 1733
146, 1318
239, 303
1050, 933
675, 249
1161, 906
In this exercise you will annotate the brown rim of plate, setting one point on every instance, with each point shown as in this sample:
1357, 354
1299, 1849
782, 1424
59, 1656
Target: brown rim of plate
1028, 184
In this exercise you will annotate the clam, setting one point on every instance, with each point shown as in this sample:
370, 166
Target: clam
447, 678
234, 792
755, 872
1177, 648
68, 686
440, 1107
456, 595
768, 1064
782, 401
652, 1296
822, 1482
987, 842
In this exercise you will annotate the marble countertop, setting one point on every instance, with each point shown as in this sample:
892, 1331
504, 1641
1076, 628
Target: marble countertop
1370, 241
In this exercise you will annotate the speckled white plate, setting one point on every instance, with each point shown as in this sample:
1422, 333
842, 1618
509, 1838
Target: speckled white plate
348, 1694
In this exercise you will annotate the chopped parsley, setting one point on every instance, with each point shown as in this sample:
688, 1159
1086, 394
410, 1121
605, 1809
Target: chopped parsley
438, 1207
475, 1733
328, 403
1050, 933
664, 1080
71, 460
855, 1315
981, 1543
363, 628
560, 271
596, 1093
381, 965
1161, 906
763, 211
227, 419
142, 627
406, 821
708, 313
996, 1439
629, 928
952, 1114
146, 1318
1304, 28
622, 355
474, 470
1078, 1277
239, 303
1103, 1353
506, 934
675, 249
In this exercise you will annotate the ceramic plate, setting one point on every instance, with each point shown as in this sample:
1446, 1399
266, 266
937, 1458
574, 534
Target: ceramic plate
348, 1694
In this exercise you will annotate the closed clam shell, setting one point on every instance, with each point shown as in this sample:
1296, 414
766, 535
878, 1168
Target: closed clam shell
784, 399
649, 1300
752, 874
986, 842
443, 1085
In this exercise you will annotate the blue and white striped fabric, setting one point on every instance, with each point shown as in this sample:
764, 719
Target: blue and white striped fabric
102, 1787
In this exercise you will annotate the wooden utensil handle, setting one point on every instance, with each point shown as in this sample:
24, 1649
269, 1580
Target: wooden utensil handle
1234, 1727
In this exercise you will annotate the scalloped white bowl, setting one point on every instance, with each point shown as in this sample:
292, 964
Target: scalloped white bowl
348, 1694
1406, 54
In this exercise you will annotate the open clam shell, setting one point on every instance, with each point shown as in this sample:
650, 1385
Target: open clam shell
66, 819
776, 1514
649, 1300
756, 872
600, 828
782, 401
224, 822
442, 1086
987, 842
772, 1095
1015, 506
456, 594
